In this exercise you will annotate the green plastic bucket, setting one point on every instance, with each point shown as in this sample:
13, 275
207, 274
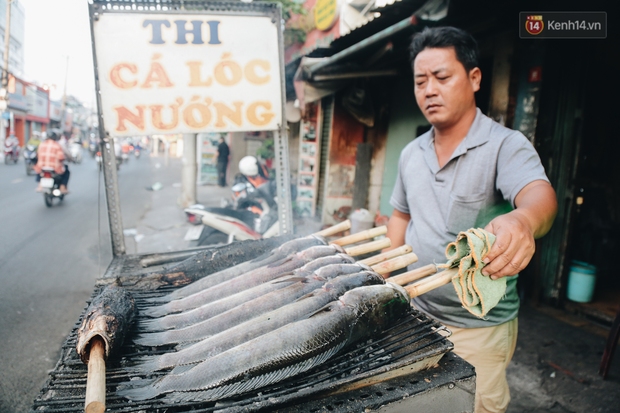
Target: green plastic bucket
581, 282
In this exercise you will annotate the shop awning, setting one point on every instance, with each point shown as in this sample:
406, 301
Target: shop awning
317, 77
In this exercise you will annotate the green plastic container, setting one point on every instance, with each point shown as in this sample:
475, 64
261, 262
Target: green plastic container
581, 282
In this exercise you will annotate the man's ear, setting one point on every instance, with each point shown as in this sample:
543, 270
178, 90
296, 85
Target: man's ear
475, 77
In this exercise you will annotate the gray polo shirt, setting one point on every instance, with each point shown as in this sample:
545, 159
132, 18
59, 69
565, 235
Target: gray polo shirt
481, 180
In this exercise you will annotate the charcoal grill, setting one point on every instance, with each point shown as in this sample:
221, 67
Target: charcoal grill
408, 366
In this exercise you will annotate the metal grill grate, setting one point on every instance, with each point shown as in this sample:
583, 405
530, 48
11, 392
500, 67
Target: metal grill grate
414, 339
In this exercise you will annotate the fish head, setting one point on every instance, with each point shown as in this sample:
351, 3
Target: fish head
319, 239
323, 262
346, 258
377, 306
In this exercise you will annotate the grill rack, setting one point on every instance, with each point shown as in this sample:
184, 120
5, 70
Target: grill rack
415, 338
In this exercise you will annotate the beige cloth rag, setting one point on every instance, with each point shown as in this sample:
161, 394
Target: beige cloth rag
478, 293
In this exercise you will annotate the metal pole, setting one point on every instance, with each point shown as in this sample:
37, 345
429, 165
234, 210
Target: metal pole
188, 180
108, 159
280, 140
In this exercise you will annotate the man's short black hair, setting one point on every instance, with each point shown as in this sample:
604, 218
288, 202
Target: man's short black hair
464, 44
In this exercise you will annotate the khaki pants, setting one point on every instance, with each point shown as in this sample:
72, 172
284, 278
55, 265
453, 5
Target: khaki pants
489, 350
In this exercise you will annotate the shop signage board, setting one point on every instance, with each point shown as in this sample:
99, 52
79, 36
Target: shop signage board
189, 68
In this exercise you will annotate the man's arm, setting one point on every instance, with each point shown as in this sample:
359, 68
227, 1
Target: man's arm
396, 228
536, 207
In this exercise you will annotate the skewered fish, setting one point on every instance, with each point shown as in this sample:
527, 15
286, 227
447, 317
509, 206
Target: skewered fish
285, 352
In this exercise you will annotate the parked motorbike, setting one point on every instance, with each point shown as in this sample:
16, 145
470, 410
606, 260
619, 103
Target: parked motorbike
11, 152
50, 182
30, 158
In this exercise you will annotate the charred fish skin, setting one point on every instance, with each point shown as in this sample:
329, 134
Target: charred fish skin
285, 352
248, 280
257, 326
247, 310
108, 315
327, 268
192, 265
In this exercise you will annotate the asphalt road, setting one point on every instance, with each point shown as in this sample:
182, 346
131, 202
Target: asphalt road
49, 260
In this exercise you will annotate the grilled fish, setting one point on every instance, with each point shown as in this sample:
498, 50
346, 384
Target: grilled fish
283, 353
260, 325
194, 267
248, 280
322, 267
108, 315
248, 310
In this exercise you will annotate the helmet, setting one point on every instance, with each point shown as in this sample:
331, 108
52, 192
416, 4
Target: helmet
53, 134
248, 166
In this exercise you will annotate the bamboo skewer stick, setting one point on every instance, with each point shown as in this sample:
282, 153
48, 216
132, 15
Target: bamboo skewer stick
368, 247
438, 280
413, 275
395, 263
335, 229
361, 236
376, 259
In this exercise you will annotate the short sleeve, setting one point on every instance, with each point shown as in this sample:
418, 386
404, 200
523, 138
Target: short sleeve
399, 195
518, 164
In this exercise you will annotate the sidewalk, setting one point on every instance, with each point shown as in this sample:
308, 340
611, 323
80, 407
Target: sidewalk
555, 366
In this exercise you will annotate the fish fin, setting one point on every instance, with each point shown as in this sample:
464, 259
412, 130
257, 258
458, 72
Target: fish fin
291, 279
280, 262
253, 383
184, 344
326, 308
303, 297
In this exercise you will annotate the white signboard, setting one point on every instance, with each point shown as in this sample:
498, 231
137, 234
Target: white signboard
187, 73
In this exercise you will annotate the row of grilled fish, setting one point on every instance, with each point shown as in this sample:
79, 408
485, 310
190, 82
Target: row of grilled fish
285, 313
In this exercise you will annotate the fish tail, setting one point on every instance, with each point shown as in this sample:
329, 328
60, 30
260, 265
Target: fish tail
151, 325
141, 389
152, 339
157, 311
145, 364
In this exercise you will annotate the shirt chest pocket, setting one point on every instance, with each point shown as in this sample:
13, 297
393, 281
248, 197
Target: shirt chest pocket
463, 211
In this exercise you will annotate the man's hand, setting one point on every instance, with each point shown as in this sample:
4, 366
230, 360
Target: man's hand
516, 231
513, 248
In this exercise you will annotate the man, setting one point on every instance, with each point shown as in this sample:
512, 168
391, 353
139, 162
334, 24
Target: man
52, 155
223, 153
457, 176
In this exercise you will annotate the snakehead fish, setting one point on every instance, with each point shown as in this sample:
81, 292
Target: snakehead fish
248, 310
196, 264
322, 265
247, 280
282, 353
260, 325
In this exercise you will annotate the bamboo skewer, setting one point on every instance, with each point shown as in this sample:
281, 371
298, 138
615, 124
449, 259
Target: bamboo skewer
395, 263
335, 229
368, 247
438, 280
411, 276
375, 259
361, 236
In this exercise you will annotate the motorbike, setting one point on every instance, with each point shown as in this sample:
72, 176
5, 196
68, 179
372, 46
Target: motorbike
93, 148
76, 152
11, 152
250, 214
30, 158
50, 182
136, 152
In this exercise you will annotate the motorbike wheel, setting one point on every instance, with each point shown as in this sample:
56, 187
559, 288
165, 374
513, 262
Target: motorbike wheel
6, 159
28, 169
211, 236
49, 199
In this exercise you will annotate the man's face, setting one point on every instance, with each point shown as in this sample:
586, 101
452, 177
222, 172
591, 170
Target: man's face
443, 89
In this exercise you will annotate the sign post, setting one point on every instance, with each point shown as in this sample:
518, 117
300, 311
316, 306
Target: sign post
217, 67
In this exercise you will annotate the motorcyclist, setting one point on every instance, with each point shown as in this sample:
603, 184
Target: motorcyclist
257, 174
52, 155
35, 139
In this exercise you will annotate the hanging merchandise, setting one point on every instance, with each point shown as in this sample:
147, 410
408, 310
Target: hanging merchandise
207, 158
309, 159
